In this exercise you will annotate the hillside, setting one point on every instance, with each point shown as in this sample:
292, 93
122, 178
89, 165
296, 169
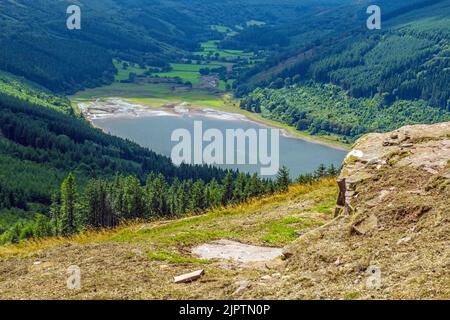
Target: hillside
328, 109
406, 60
36, 43
394, 189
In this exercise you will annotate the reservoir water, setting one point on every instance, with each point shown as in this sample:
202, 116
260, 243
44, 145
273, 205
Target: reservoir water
155, 132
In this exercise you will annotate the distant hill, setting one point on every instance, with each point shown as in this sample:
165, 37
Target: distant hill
407, 59
36, 43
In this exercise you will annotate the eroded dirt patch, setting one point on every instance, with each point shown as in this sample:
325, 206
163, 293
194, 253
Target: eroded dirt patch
231, 250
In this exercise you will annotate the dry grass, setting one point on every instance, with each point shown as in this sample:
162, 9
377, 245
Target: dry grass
139, 261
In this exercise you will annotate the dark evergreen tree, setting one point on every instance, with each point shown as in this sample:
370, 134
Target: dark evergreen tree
227, 184
68, 206
283, 179
321, 171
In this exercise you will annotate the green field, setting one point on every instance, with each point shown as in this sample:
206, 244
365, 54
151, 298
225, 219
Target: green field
211, 48
257, 23
187, 72
224, 29
154, 95
123, 74
184, 71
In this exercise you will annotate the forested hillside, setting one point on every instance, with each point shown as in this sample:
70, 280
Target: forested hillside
36, 43
407, 59
341, 78
327, 109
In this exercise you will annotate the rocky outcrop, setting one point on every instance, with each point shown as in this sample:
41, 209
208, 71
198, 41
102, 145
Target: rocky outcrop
393, 220
424, 147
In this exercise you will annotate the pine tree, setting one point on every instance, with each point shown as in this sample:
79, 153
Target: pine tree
133, 198
215, 193
183, 197
68, 206
198, 202
55, 215
172, 198
254, 186
227, 184
240, 189
332, 171
42, 227
283, 179
97, 206
305, 178
117, 196
320, 172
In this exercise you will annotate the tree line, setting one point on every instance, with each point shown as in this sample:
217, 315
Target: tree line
106, 203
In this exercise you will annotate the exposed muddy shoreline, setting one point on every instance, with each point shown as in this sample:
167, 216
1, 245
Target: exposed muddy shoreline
119, 108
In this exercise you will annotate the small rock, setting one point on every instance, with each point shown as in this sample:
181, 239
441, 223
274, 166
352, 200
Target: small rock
243, 285
366, 225
394, 136
188, 277
266, 278
276, 275
300, 232
374, 161
356, 154
137, 251
314, 276
287, 253
338, 261
406, 145
262, 284
37, 263
406, 137
404, 240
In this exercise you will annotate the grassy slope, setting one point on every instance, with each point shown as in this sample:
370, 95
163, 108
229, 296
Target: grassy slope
141, 259
409, 243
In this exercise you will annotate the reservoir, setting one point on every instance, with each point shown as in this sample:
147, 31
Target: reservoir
154, 130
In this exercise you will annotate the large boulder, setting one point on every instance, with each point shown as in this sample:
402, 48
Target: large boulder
425, 147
